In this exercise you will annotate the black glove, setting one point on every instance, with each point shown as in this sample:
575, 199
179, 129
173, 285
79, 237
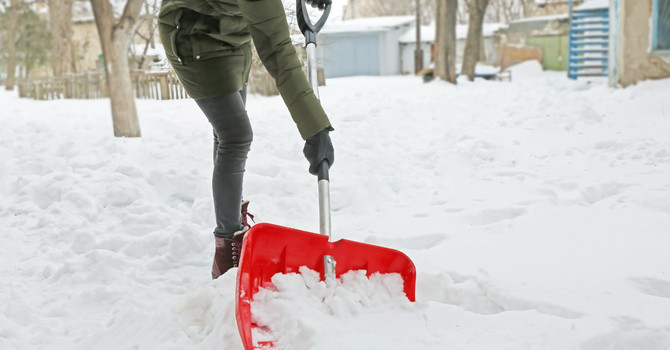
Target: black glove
321, 4
319, 148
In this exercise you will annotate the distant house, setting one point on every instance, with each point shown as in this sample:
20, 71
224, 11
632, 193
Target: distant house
366, 46
626, 40
408, 45
87, 47
539, 8
548, 33
640, 41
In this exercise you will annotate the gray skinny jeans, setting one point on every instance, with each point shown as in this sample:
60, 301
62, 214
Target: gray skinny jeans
232, 142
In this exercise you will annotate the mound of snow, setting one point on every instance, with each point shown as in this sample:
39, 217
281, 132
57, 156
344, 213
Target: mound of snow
536, 212
527, 69
303, 312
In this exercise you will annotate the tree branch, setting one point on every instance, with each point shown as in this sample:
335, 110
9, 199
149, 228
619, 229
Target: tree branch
130, 15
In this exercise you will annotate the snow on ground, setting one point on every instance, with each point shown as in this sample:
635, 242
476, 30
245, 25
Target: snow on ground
536, 212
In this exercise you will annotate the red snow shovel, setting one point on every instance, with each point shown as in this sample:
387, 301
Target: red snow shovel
270, 249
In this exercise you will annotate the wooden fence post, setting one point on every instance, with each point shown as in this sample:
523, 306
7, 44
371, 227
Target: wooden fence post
88, 85
38, 91
165, 90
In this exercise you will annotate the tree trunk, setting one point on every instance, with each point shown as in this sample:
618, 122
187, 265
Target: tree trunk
477, 10
524, 8
115, 37
60, 18
13, 14
445, 40
482, 49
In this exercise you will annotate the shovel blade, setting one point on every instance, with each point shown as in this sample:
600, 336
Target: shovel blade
270, 249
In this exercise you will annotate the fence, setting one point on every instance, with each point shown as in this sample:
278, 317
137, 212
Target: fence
159, 86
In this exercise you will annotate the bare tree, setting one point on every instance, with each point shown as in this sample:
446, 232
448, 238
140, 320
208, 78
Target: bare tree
10, 42
505, 11
146, 30
33, 41
445, 40
473, 42
60, 18
462, 14
115, 36
524, 7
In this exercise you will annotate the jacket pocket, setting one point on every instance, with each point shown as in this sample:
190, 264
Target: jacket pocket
168, 28
208, 41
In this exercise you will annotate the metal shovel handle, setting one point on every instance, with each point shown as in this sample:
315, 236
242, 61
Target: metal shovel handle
324, 220
309, 30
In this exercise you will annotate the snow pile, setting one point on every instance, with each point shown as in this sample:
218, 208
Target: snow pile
305, 313
526, 70
536, 212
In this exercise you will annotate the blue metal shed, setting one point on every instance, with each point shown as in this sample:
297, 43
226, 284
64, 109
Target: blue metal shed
366, 46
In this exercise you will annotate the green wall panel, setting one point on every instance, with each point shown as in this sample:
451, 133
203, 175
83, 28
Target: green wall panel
555, 51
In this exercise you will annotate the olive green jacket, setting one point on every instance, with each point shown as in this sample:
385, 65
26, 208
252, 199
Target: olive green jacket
210, 51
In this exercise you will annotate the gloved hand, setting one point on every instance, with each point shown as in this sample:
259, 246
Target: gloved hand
321, 4
319, 148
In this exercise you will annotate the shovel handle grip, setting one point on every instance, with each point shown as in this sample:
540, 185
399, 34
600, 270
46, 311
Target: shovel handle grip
307, 28
324, 200
322, 172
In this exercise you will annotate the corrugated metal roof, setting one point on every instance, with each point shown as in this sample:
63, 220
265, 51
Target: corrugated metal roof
428, 32
368, 24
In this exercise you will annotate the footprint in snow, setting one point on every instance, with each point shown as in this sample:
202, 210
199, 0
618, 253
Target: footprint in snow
492, 216
480, 295
595, 194
652, 286
415, 242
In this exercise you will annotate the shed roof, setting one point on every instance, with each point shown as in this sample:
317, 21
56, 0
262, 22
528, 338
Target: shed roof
428, 32
588, 4
367, 24
560, 16
594, 4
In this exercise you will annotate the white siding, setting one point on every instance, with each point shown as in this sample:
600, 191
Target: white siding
350, 54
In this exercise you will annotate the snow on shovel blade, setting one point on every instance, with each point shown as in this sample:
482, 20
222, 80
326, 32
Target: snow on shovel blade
270, 249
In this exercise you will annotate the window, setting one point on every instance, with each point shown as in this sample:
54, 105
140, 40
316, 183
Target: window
661, 25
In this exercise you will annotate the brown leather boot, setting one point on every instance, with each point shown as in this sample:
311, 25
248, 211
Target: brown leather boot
245, 213
228, 251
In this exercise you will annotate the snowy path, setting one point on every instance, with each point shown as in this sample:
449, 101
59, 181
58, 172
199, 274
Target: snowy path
537, 213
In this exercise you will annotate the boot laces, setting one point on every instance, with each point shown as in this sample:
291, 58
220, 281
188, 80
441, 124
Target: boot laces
236, 251
246, 215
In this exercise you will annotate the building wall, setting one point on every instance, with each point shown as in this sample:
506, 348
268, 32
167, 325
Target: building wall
636, 61
491, 47
349, 54
491, 50
407, 56
546, 8
518, 32
554, 49
524, 37
389, 56
86, 45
